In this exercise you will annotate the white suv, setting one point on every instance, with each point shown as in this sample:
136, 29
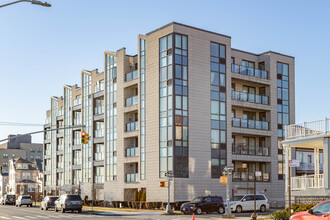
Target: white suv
246, 203
24, 200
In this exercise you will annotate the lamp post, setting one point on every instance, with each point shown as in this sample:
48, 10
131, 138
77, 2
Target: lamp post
228, 170
169, 176
35, 2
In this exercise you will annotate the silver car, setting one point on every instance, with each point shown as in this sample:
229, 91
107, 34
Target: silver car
68, 202
48, 202
24, 200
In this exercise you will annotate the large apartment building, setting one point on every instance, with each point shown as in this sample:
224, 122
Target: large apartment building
187, 102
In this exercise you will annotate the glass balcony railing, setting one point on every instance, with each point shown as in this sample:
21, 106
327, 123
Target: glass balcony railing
76, 161
77, 121
60, 147
253, 124
99, 156
132, 152
99, 87
48, 168
47, 152
76, 102
47, 137
249, 177
77, 141
131, 75
249, 71
249, 97
59, 165
131, 177
132, 101
99, 110
99, 133
48, 120
99, 179
60, 113
133, 126
243, 149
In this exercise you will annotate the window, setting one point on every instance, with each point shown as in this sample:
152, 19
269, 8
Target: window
322, 208
38, 157
32, 158
5, 155
39, 150
32, 150
5, 164
13, 156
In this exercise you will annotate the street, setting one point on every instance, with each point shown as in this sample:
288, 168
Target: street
12, 212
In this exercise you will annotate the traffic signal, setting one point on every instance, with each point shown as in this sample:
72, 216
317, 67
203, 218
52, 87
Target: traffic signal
162, 184
84, 137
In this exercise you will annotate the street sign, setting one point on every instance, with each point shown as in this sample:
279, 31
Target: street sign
223, 179
294, 163
258, 173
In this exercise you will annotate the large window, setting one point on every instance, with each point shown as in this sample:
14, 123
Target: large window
142, 109
245, 171
218, 109
282, 111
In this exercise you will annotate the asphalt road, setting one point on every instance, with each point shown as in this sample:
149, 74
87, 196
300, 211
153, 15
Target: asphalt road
27, 213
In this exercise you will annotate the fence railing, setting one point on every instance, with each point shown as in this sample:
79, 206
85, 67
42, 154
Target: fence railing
305, 182
99, 133
249, 71
307, 129
249, 97
253, 124
132, 152
243, 149
132, 101
308, 166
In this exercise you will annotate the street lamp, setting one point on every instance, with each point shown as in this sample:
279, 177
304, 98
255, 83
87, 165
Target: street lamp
35, 2
228, 170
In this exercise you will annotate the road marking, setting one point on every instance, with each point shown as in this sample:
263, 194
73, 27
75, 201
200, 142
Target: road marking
30, 217
19, 217
3, 217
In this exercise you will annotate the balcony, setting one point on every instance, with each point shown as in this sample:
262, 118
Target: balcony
248, 97
131, 177
249, 177
252, 124
99, 156
76, 102
60, 147
243, 149
99, 87
99, 110
77, 121
308, 167
99, 179
249, 71
132, 126
76, 161
48, 168
132, 101
131, 75
307, 129
99, 133
305, 182
60, 165
132, 152
47, 152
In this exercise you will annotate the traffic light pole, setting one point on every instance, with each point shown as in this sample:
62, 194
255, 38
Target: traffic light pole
169, 176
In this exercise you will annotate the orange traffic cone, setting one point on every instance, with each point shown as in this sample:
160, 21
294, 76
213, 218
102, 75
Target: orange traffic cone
193, 216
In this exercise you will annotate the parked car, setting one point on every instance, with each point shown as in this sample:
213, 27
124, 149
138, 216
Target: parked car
68, 202
320, 211
241, 203
48, 202
24, 200
8, 200
204, 204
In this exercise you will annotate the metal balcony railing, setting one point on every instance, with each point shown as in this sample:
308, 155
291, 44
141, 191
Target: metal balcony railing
133, 126
99, 179
308, 166
47, 152
243, 149
99, 87
76, 102
131, 75
132, 152
253, 124
76, 161
249, 177
60, 147
132, 101
249, 71
307, 129
249, 97
131, 177
59, 165
305, 182
77, 121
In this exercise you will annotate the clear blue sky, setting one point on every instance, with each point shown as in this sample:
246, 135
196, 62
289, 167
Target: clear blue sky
41, 49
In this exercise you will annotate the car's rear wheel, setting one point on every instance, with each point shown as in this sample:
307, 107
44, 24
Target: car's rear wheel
55, 209
79, 210
46, 208
41, 208
263, 208
20, 205
62, 210
198, 211
239, 209
221, 210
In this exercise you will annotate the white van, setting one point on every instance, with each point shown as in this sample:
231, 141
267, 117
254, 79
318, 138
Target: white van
246, 203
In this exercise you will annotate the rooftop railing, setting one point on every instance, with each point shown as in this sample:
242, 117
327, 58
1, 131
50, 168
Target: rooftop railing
307, 129
249, 97
249, 71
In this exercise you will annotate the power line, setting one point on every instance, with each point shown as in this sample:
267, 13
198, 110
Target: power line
19, 124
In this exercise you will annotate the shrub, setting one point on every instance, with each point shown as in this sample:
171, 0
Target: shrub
143, 197
85, 200
136, 196
281, 215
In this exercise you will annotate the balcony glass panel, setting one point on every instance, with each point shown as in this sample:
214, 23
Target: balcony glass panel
133, 126
99, 110
99, 133
131, 75
248, 97
244, 123
132, 152
131, 177
249, 71
132, 101
99, 156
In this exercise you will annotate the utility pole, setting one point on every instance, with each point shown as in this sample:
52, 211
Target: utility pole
169, 176
228, 170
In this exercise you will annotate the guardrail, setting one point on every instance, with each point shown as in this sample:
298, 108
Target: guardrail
305, 182
253, 124
249, 97
307, 129
249, 71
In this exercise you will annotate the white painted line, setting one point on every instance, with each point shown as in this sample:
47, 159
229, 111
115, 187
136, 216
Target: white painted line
3, 217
